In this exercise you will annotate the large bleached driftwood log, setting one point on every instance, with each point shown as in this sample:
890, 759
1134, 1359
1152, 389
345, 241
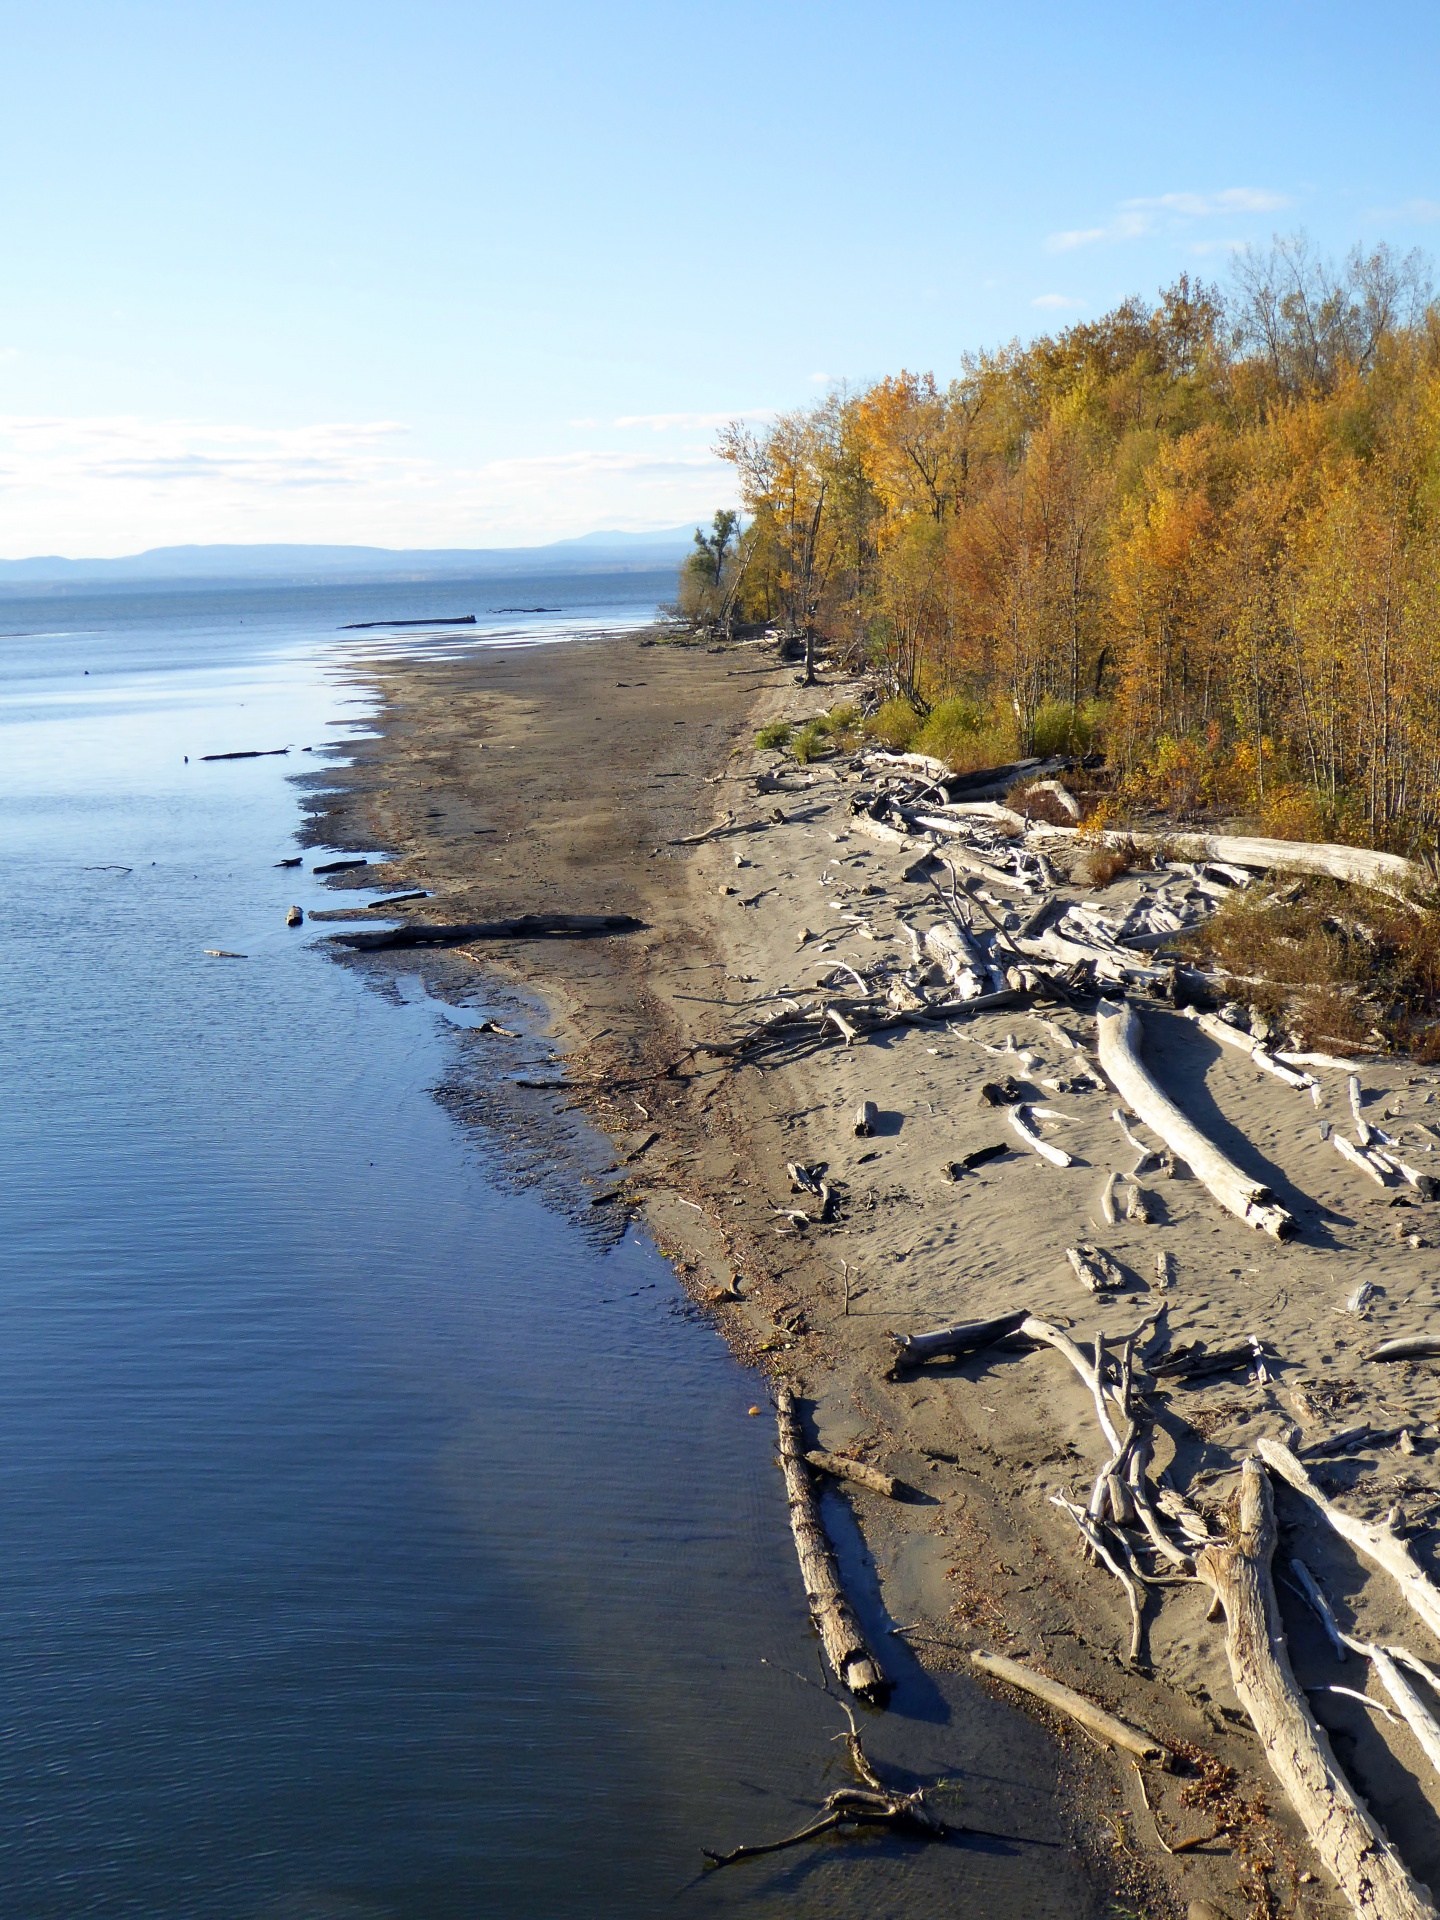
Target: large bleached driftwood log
1350, 1844
1377, 1544
1119, 1032
851, 1660
1382, 872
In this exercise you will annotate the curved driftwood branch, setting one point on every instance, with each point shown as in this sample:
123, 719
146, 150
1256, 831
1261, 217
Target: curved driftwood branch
851, 1660
1349, 1842
1105, 1726
1120, 1033
1019, 1123
1385, 1549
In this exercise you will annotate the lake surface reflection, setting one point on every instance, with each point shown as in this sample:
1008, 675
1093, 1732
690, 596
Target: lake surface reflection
376, 1543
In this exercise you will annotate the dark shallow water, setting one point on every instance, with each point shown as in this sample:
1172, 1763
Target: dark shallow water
375, 1542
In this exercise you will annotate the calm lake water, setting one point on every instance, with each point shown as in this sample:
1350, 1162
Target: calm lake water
374, 1542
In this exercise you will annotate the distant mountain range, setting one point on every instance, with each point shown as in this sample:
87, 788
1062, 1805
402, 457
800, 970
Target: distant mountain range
591, 553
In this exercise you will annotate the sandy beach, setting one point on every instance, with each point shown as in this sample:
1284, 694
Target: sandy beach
571, 779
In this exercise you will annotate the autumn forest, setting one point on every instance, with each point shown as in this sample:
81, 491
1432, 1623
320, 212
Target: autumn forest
1200, 536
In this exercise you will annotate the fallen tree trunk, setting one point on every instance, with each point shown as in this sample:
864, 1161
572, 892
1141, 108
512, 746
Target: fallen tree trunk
1105, 1726
1344, 1834
1119, 1032
529, 926
851, 1660
1378, 1544
1382, 872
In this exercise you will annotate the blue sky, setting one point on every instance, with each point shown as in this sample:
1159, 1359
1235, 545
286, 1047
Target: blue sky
466, 274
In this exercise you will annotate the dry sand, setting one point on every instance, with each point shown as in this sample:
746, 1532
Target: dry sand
564, 779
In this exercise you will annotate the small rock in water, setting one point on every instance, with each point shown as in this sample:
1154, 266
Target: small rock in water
295, 917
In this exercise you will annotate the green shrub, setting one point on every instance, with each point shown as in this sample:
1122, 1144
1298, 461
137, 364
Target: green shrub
774, 736
894, 725
1060, 728
839, 720
809, 741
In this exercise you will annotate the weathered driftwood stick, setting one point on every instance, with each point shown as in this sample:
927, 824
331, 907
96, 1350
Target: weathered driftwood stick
1229, 1036
1310, 1587
1057, 1156
867, 1118
1362, 1131
851, 1660
1377, 1544
841, 1467
967, 1336
1358, 1158
1093, 1537
1119, 1031
1105, 1726
1350, 1844
529, 926
1413, 1710
1107, 1199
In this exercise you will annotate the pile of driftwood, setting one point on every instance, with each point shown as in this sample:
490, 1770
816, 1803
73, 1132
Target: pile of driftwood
1001, 927
1147, 1536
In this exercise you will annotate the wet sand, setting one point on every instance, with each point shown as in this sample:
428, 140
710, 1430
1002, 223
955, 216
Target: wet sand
563, 779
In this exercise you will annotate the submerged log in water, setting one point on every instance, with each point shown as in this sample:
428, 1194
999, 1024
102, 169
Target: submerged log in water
528, 926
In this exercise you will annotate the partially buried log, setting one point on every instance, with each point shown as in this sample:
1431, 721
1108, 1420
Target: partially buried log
1094, 1268
1423, 1346
528, 926
867, 1118
1108, 1727
841, 1467
850, 1658
1119, 1032
1348, 1840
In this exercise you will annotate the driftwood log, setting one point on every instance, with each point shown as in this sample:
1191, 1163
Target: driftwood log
1108, 1727
528, 926
841, 1467
1120, 1034
850, 1658
1381, 872
967, 1336
1348, 1840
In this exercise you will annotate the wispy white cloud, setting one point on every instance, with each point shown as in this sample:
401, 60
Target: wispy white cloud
1168, 213
1423, 212
112, 484
1055, 300
690, 422
1201, 206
